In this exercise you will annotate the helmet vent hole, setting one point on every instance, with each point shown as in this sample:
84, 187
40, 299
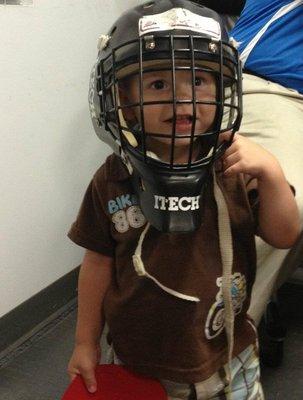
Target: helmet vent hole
141, 184
149, 5
113, 30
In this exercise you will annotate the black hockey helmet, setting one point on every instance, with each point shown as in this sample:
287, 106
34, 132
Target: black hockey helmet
166, 35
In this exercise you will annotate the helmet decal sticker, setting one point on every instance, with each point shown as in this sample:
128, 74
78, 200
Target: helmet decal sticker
173, 203
179, 18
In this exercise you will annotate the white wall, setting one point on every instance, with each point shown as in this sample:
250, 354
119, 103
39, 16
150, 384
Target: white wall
48, 148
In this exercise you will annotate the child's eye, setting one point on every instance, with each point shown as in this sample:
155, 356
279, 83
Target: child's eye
158, 85
199, 81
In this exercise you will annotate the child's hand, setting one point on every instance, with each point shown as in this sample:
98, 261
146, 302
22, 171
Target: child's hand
83, 362
247, 157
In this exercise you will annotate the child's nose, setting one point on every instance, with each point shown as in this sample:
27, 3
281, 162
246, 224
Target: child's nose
184, 91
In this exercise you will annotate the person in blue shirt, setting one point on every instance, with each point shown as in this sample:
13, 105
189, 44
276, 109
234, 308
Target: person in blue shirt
269, 35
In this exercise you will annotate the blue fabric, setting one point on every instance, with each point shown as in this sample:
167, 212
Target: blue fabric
278, 55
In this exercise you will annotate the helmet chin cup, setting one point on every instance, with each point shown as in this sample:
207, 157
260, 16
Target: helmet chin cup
171, 201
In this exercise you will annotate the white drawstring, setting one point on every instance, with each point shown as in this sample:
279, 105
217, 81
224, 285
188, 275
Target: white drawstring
226, 249
141, 271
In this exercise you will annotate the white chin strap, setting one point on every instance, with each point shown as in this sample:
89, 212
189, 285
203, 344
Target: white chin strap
128, 135
226, 249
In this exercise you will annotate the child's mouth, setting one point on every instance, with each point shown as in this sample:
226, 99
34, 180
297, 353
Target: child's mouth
183, 122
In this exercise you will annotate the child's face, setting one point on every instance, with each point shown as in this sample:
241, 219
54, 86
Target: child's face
158, 86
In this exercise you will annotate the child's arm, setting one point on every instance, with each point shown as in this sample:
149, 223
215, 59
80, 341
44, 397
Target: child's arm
279, 223
94, 279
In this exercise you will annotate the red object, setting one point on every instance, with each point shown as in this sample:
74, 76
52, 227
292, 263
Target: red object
115, 382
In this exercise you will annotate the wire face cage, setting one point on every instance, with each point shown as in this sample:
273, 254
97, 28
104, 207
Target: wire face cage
160, 96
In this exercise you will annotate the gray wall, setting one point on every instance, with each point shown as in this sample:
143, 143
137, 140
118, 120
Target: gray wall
48, 148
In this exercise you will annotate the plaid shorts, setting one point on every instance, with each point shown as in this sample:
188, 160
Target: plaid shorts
245, 381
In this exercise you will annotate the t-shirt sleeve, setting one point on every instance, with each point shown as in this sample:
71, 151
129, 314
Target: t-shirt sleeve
251, 185
91, 229
253, 198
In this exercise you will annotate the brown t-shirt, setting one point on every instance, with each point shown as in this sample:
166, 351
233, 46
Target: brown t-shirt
153, 331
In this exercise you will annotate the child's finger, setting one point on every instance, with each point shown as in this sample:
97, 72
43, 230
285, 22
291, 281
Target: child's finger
72, 376
230, 159
234, 169
230, 150
225, 136
72, 372
89, 380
